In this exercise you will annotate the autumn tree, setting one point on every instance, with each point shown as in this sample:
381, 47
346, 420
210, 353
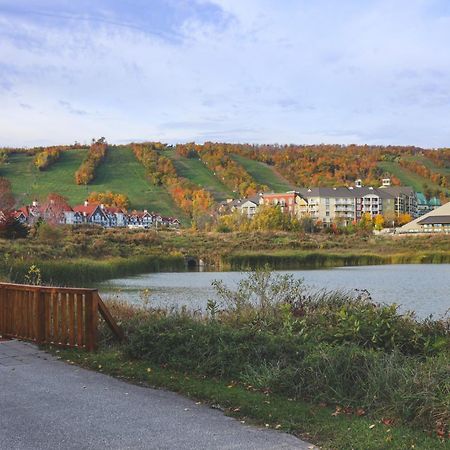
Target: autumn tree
378, 222
110, 199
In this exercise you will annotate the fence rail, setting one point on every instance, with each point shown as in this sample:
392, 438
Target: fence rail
66, 317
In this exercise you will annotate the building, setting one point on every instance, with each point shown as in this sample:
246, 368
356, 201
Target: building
290, 202
340, 205
425, 205
92, 214
435, 221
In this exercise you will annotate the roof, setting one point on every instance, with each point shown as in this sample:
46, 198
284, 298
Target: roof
416, 225
435, 220
88, 210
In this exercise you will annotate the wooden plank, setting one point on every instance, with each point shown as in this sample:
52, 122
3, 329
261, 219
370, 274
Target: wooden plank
55, 318
48, 316
71, 324
80, 316
90, 318
63, 316
109, 319
41, 319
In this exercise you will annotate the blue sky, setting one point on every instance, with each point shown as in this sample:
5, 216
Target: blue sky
262, 71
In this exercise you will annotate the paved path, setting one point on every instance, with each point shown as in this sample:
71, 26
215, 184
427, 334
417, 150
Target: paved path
48, 404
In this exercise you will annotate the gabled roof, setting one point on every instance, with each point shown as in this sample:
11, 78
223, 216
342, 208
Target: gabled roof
88, 210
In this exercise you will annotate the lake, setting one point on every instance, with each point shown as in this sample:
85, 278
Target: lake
423, 288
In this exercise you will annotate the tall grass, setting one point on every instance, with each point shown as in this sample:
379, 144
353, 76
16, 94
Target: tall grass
271, 334
314, 260
79, 272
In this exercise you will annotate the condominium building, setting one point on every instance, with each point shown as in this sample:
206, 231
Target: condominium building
342, 205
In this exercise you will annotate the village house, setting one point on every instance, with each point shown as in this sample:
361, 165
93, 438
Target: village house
92, 214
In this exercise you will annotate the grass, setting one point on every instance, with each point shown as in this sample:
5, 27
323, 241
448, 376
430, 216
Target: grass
28, 183
81, 271
430, 164
407, 177
196, 171
119, 172
283, 260
317, 424
264, 174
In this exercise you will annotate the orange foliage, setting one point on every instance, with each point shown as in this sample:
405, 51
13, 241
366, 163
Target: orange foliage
109, 199
85, 174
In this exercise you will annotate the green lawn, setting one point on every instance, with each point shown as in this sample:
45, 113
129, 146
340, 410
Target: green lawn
264, 174
119, 172
195, 170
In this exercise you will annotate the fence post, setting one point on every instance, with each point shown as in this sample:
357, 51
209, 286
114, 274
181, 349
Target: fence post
41, 318
91, 319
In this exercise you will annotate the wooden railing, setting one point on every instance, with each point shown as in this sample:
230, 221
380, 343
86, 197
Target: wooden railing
66, 317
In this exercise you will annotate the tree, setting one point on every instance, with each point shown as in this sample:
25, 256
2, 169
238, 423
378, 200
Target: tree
403, 219
11, 228
110, 199
378, 222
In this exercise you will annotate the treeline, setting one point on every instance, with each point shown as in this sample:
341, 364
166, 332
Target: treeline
323, 165
314, 165
189, 197
97, 152
44, 159
218, 158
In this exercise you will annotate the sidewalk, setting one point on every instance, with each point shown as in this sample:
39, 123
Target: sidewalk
48, 404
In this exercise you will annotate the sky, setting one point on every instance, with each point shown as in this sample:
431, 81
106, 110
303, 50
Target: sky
257, 71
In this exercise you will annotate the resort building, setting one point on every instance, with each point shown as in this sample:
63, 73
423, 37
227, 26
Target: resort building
340, 205
436, 221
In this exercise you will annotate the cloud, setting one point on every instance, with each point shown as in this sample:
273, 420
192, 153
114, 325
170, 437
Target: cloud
70, 109
257, 71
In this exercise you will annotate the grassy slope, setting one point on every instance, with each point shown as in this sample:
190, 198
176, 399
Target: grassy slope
119, 172
196, 171
406, 177
28, 183
264, 174
431, 165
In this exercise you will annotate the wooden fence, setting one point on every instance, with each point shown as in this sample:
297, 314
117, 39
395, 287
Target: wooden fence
66, 317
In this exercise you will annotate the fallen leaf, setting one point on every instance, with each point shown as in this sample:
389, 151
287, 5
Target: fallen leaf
371, 426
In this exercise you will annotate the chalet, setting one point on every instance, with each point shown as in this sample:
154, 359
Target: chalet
93, 214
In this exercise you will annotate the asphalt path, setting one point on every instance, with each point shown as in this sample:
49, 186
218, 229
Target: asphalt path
48, 404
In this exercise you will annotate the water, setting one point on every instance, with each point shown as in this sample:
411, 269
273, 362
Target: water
423, 288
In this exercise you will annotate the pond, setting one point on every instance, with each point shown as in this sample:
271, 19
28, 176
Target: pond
423, 288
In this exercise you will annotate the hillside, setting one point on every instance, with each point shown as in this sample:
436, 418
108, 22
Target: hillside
225, 171
196, 171
264, 174
119, 172
409, 178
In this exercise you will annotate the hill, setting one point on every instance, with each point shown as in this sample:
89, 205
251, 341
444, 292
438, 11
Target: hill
118, 172
264, 174
225, 170
196, 171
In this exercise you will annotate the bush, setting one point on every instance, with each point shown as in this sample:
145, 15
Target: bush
271, 334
